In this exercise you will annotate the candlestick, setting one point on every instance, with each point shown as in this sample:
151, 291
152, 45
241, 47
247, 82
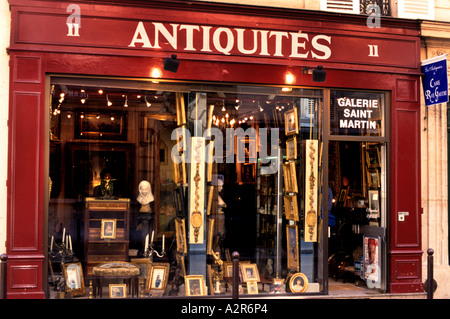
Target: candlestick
163, 242
64, 234
70, 242
146, 242
153, 233
51, 245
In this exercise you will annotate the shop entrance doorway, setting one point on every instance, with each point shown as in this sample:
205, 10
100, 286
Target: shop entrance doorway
356, 215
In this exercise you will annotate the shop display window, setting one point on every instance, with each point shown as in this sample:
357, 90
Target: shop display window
153, 186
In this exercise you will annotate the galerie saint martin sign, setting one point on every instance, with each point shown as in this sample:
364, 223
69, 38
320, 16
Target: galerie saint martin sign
435, 80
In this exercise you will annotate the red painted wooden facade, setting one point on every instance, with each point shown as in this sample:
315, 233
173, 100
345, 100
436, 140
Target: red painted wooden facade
40, 46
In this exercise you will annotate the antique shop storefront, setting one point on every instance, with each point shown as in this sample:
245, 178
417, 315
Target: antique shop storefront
151, 140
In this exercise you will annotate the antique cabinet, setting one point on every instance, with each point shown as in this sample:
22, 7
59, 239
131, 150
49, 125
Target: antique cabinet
106, 231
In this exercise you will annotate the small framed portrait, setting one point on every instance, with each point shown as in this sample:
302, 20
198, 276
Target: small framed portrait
157, 279
291, 207
291, 148
181, 109
291, 122
228, 269
180, 232
252, 287
117, 291
298, 282
249, 272
373, 156
195, 285
108, 230
373, 178
73, 276
290, 177
292, 247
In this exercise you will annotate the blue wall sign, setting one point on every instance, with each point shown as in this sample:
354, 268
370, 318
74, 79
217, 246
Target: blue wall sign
435, 80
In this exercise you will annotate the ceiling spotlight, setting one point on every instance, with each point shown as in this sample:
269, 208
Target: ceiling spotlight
319, 74
100, 91
147, 102
108, 101
171, 64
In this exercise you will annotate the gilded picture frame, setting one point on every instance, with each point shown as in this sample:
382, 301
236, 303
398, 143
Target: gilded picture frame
291, 207
209, 241
74, 279
290, 177
180, 233
195, 285
373, 178
108, 230
158, 276
292, 247
252, 288
117, 291
181, 109
298, 283
291, 148
291, 122
372, 156
249, 272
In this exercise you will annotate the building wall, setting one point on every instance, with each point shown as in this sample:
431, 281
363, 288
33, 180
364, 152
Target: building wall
4, 95
442, 10
436, 42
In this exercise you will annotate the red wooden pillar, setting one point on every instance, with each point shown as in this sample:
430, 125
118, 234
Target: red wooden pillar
405, 251
25, 175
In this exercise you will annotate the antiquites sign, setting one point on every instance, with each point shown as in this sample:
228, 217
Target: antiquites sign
230, 41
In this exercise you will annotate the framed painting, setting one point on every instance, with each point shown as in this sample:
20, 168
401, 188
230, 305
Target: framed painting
101, 125
195, 285
181, 109
290, 177
372, 156
108, 230
249, 272
291, 122
291, 148
117, 291
373, 178
158, 276
291, 207
298, 282
252, 287
292, 247
180, 232
74, 279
